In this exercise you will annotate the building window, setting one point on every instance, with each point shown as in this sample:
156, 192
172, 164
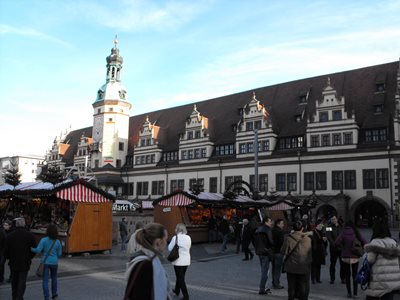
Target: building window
337, 115
242, 148
184, 154
281, 182
265, 146
325, 140
263, 183
249, 126
197, 153
121, 146
375, 135
291, 142
110, 119
336, 139
177, 184
98, 110
190, 135
224, 150
382, 178
337, 180
379, 87
348, 138
213, 184
315, 141
111, 109
157, 187
203, 152
323, 116
369, 179
142, 188
250, 147
257, 124
378, 109
320, 181
190, 154
230, 179
292, 182
309, 181
197, 134
196, 181
130, 189
350, 182
118, 163
96, 163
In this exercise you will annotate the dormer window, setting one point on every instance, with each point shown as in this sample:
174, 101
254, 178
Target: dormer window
249, 126
303, 98
111, 109
378, 109
240, 110
379, 88
323, 116
337, 115
190, 135
257, 124
197, 134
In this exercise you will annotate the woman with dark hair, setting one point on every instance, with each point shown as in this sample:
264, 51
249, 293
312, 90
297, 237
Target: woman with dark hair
51, 250
350, 259
383, 254
147, 278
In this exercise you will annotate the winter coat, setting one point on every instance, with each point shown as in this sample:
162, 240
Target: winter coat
278, 236
299, 262
44, 246
263, 241
345, 240
332, 236
383, 255
18, 249
184, 243
318, 248
247, 235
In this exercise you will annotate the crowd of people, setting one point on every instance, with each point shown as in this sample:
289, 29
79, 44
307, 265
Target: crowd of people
298, 251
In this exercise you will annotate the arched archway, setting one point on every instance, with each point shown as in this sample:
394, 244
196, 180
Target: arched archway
367, 211
325, 211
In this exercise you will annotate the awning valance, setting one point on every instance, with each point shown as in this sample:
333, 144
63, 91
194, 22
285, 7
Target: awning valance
176, 200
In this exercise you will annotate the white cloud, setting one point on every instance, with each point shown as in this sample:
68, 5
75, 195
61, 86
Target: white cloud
141, 15
30, 32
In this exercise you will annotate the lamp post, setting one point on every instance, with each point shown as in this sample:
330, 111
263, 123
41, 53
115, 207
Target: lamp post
255, 147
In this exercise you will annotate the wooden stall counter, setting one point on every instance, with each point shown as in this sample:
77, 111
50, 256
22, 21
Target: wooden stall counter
198, 233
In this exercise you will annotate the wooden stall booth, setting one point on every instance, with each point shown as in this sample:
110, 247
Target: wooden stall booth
195, 211
82, 212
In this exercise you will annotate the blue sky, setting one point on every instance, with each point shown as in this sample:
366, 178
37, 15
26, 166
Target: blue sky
52, 54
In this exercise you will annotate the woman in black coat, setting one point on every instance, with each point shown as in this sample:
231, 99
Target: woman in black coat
319, 244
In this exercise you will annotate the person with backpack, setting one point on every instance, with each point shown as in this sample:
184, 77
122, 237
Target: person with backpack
264, 249
348, 239
51, 250
383, 254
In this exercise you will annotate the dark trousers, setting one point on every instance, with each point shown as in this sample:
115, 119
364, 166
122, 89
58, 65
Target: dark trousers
315, 273
2, 263
277, 269
335, 256
246, 250
388, 296
180, 284
298, 286
18, 284
350, 272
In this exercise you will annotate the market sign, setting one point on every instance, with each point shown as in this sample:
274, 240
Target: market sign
123, 205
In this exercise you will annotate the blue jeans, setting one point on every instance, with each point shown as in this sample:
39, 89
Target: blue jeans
124, 238
264, 263
52, 269
277, 269
224, 242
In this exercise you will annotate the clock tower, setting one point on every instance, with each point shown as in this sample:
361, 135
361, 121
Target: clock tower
111, 116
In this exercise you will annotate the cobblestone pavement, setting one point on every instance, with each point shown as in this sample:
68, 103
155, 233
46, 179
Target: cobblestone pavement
211, 276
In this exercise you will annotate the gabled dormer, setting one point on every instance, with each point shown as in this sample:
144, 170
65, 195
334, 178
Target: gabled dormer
330, 126
83, 153
255, 120
302, 101
195, 142
148, 152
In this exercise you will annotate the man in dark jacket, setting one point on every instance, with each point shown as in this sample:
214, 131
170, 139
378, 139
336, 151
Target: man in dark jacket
18, 251
278, 237
6, 230
247, 237
297, 249
264, 249
332, 232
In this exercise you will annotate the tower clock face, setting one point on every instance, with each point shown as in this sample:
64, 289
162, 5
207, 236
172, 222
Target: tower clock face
98, 127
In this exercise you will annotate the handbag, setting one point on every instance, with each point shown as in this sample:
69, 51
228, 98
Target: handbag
289, 254
40, 269
174, 254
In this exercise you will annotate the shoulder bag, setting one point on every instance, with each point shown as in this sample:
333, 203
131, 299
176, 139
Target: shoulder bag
174, 254
40, 269
289, 254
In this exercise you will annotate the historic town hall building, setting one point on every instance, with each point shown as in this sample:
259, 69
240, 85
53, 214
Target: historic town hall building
336, 136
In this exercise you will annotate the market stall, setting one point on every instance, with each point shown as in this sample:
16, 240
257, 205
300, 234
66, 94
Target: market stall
196, 211
82, 212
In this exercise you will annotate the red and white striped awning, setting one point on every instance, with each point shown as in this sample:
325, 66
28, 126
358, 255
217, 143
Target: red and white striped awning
80, 193
280, 206
176, 200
